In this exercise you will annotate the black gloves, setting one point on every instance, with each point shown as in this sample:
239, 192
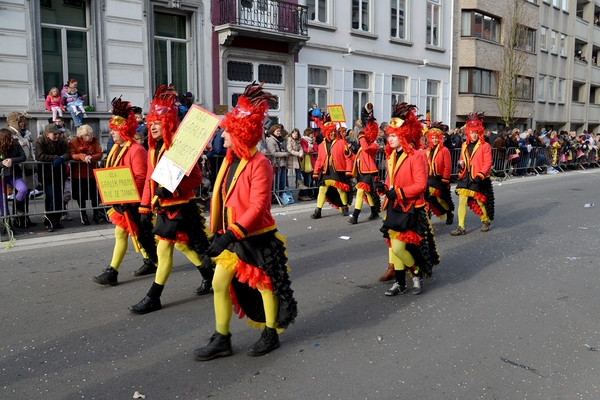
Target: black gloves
380, 188
477, 179
220, 243
391, 195
146, 220
163, 192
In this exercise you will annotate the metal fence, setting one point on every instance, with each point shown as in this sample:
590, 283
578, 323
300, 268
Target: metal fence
74, 188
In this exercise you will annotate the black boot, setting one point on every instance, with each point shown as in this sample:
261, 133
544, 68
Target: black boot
269, 340
84, 218
207, 277
149, 267
316, 214
98, 216
374, 213
107, 277
354, 218
345, 211
218, 346
449, 218
151, 302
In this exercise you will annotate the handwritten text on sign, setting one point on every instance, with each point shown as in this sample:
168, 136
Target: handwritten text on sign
116, 185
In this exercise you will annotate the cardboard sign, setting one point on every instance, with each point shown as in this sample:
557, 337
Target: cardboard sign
193, 135
116, 185
336, 112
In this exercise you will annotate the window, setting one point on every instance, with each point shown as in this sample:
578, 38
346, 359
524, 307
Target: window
240, 71
541, 80
561, 46
524, 88
564, 5
171, 50
433, 99
64, 44
360, 15
555, 3
433, 23
317, 11
553, 40
543, 38
526, 39
398, 14
318, 87
477, 81
398, 90
476, 24
360, 93
560, 89
551, 89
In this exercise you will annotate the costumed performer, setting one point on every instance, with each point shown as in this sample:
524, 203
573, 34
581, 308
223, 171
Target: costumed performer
180, 223
126, 217
474, 187
406, 226
365, 170
251, 273
440, 168
332, 169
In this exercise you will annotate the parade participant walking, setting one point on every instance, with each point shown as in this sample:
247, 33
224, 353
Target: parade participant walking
180, 223
406, 225
438, 182
126, 217
474, 187
331, 170
365, 171
251, 272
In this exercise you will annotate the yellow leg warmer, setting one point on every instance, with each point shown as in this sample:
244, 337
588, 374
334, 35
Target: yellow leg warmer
222, 299
399, 250
189, 253
121, 237
358, 203
462, 210
271, 305
484, 217
165, 261
321, 197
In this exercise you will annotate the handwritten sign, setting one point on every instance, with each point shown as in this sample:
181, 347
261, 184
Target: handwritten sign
116, 185
336, 112
194, 133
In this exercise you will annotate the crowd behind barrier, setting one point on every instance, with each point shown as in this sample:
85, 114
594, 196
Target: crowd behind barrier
506, 163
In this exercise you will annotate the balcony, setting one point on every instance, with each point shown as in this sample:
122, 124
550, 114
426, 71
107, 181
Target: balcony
273, 20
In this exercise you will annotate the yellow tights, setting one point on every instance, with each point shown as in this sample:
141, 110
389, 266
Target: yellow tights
223, 310
165, 259
323, 191
399, 256
462, 211
359, 199
121, 243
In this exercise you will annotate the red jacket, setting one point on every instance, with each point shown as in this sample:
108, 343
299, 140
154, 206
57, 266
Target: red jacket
339, 158
184, 192
365, 158
79, 149
408, 177
440, 165
479, 163
134, 156
246, 207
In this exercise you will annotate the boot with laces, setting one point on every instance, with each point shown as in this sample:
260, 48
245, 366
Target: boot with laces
146, 269
269, 340
217, 346
458, 231
107, 277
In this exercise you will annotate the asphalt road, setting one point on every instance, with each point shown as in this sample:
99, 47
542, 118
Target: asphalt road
511, 314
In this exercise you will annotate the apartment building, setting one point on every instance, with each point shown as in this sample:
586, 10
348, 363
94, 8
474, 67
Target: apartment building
561, 72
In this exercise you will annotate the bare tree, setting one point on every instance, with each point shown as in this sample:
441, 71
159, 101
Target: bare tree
514, 62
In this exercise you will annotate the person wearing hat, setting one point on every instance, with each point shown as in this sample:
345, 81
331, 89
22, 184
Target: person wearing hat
438, 182
474, 187
331, 171
126, 217
406, 226
251, 273
365, 170
53, 151
180, 223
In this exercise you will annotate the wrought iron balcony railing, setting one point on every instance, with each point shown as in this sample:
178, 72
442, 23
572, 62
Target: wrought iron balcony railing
274, 15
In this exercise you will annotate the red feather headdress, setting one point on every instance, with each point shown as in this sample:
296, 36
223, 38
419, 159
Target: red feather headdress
245, 121
474, 124
163, 109
371, 130
406, 126
123, 119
